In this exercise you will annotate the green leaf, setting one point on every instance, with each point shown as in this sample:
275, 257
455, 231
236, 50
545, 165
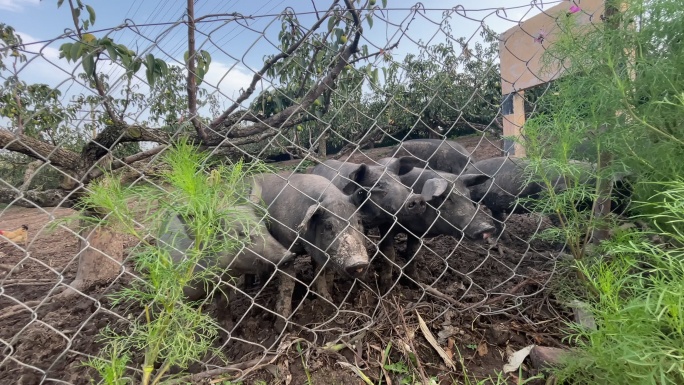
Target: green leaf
125, 59
65, 51
163, 68
77, 12
149, 73
206, 56
76, 50
59, 3
200, 75
150, 62
384, 3
137, 63
91, 13
89, 64
369, 18
331, 23
111, 52
186, 56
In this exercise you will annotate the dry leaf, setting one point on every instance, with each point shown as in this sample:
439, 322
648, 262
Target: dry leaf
516, 359
433, 342
450, 348
482, 349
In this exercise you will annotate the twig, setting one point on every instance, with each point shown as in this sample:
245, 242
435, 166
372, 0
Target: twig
6, 267
439, 294
27, 282
16, 309
251, 365
512, 290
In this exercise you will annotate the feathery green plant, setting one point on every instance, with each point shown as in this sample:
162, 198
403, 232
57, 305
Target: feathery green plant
172, 331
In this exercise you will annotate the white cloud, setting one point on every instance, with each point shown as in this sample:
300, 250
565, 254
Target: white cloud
43, 63
228, 79
17, 5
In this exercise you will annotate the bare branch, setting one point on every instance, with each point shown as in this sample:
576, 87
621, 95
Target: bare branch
270, 63
38, 149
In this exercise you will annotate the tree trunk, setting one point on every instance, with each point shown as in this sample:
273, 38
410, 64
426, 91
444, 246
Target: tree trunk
100, 261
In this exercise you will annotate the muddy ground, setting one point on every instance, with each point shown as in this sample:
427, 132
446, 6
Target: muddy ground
478, 302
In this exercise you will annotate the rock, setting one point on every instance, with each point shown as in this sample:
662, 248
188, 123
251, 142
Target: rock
544, 357
583, 315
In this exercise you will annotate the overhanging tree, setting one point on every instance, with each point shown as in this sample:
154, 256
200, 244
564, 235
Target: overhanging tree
235, 126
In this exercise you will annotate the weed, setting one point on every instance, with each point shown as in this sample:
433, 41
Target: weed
173, 331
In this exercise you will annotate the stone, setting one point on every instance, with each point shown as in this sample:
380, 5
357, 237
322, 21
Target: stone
544, 357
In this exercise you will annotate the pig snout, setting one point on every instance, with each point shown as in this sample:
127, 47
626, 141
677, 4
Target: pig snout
356, 270
415, 205
353, 256
481, 232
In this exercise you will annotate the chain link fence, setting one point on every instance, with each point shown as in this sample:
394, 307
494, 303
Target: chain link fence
347, 82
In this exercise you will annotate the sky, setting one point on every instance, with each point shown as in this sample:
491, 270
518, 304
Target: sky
237, 49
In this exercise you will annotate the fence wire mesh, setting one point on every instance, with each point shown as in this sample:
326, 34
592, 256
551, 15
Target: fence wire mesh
291, 89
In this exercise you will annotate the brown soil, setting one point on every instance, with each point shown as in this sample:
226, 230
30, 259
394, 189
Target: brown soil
479, 302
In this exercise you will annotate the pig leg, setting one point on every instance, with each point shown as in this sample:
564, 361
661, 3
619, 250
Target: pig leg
412, 246
323, 281
386, 248
284, 301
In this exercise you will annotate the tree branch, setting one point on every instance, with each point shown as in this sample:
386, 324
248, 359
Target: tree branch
119, 163
220, 120
98, 84
382, 51
192, 79
282, 119
38, 149
121, 133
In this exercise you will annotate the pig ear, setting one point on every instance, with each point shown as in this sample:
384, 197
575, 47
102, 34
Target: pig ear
356, 175
407, 163
434, 187
470, 180
310, 212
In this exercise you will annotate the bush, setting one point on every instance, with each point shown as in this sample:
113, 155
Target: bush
639, 308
